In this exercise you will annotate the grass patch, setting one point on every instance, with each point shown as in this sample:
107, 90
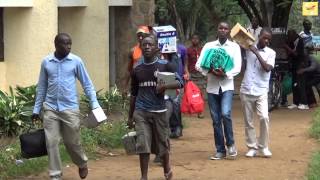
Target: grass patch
11, 168
107, 135
314, 167
315, 127
313, 172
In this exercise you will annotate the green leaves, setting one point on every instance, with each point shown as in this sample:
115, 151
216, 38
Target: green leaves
16, 110
111, 100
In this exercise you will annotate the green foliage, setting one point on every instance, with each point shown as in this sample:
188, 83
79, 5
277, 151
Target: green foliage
15, 114
10, 169
296, 19
199, 16
315, 127
111, 100
314, 166
106, 135
313, 171
27, 94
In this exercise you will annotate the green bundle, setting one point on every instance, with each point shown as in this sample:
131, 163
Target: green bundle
217, 58
286, 84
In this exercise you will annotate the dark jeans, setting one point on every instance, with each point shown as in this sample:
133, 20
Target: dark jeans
173, 114
220, 111
306, 95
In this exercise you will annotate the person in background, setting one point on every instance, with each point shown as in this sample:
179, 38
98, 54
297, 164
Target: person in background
309, 73
220, 87
193, 53
294, 48
312, 71
254, 28
147, 111
254, 93
173, 102
57, 97
306, 36
135, 53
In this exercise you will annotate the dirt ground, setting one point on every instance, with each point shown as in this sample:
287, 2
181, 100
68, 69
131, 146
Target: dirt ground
290, 144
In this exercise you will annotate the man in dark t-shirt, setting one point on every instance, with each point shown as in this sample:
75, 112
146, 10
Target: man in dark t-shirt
147, 107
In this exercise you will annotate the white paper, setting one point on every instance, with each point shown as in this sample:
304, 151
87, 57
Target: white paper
99, 114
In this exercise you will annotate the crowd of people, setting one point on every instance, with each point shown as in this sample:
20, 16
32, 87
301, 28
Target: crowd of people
154, 114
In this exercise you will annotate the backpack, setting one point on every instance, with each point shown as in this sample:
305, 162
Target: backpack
192, 101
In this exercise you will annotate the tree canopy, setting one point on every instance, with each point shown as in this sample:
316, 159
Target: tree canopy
203, 16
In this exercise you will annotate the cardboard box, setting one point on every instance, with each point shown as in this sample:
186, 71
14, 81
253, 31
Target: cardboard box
242, 36
167, 38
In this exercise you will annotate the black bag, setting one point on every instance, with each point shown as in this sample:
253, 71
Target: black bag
33, 144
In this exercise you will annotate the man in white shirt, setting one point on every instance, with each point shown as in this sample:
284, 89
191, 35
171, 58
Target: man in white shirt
220, 89
254, 93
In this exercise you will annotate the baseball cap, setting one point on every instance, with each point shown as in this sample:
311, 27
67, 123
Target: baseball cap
143, 29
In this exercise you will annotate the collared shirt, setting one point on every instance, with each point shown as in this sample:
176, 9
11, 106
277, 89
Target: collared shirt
226, 83
57, 84
256, 80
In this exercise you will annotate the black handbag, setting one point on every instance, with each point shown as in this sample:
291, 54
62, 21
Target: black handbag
33, 144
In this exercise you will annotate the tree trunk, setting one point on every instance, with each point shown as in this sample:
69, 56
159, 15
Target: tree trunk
177, 18
280, 15
269, 12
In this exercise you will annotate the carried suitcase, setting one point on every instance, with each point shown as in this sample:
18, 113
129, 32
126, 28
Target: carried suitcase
33, 144
129, 142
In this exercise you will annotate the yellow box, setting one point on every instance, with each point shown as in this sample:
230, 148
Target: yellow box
310, 8
242, 36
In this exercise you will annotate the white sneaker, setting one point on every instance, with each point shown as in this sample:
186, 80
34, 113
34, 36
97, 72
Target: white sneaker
266, 152
292, 106
251, 153
303, 107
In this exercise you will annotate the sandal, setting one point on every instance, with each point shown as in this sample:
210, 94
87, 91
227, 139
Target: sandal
168, 176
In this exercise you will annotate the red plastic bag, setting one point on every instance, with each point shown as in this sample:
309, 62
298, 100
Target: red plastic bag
192, 101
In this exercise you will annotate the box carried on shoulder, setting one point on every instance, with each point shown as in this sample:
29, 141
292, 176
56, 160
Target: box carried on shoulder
129, 142
242, 36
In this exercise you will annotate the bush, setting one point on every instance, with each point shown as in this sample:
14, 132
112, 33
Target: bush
15, 114
110, 101
107, 135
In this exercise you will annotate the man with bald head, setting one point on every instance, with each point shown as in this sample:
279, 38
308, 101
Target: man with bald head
220, 89
57, 99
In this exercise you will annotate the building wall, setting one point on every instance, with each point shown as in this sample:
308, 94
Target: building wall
141, 13
28, 37
88, 27
3, 83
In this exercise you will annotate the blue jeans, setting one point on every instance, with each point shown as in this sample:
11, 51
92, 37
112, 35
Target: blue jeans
220, 111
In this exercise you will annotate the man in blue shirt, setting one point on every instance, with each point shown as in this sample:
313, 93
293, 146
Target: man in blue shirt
57, 98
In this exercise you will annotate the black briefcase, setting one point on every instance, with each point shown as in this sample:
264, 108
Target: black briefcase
33, 144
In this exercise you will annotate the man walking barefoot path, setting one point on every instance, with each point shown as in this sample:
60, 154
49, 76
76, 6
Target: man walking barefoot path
288, 133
